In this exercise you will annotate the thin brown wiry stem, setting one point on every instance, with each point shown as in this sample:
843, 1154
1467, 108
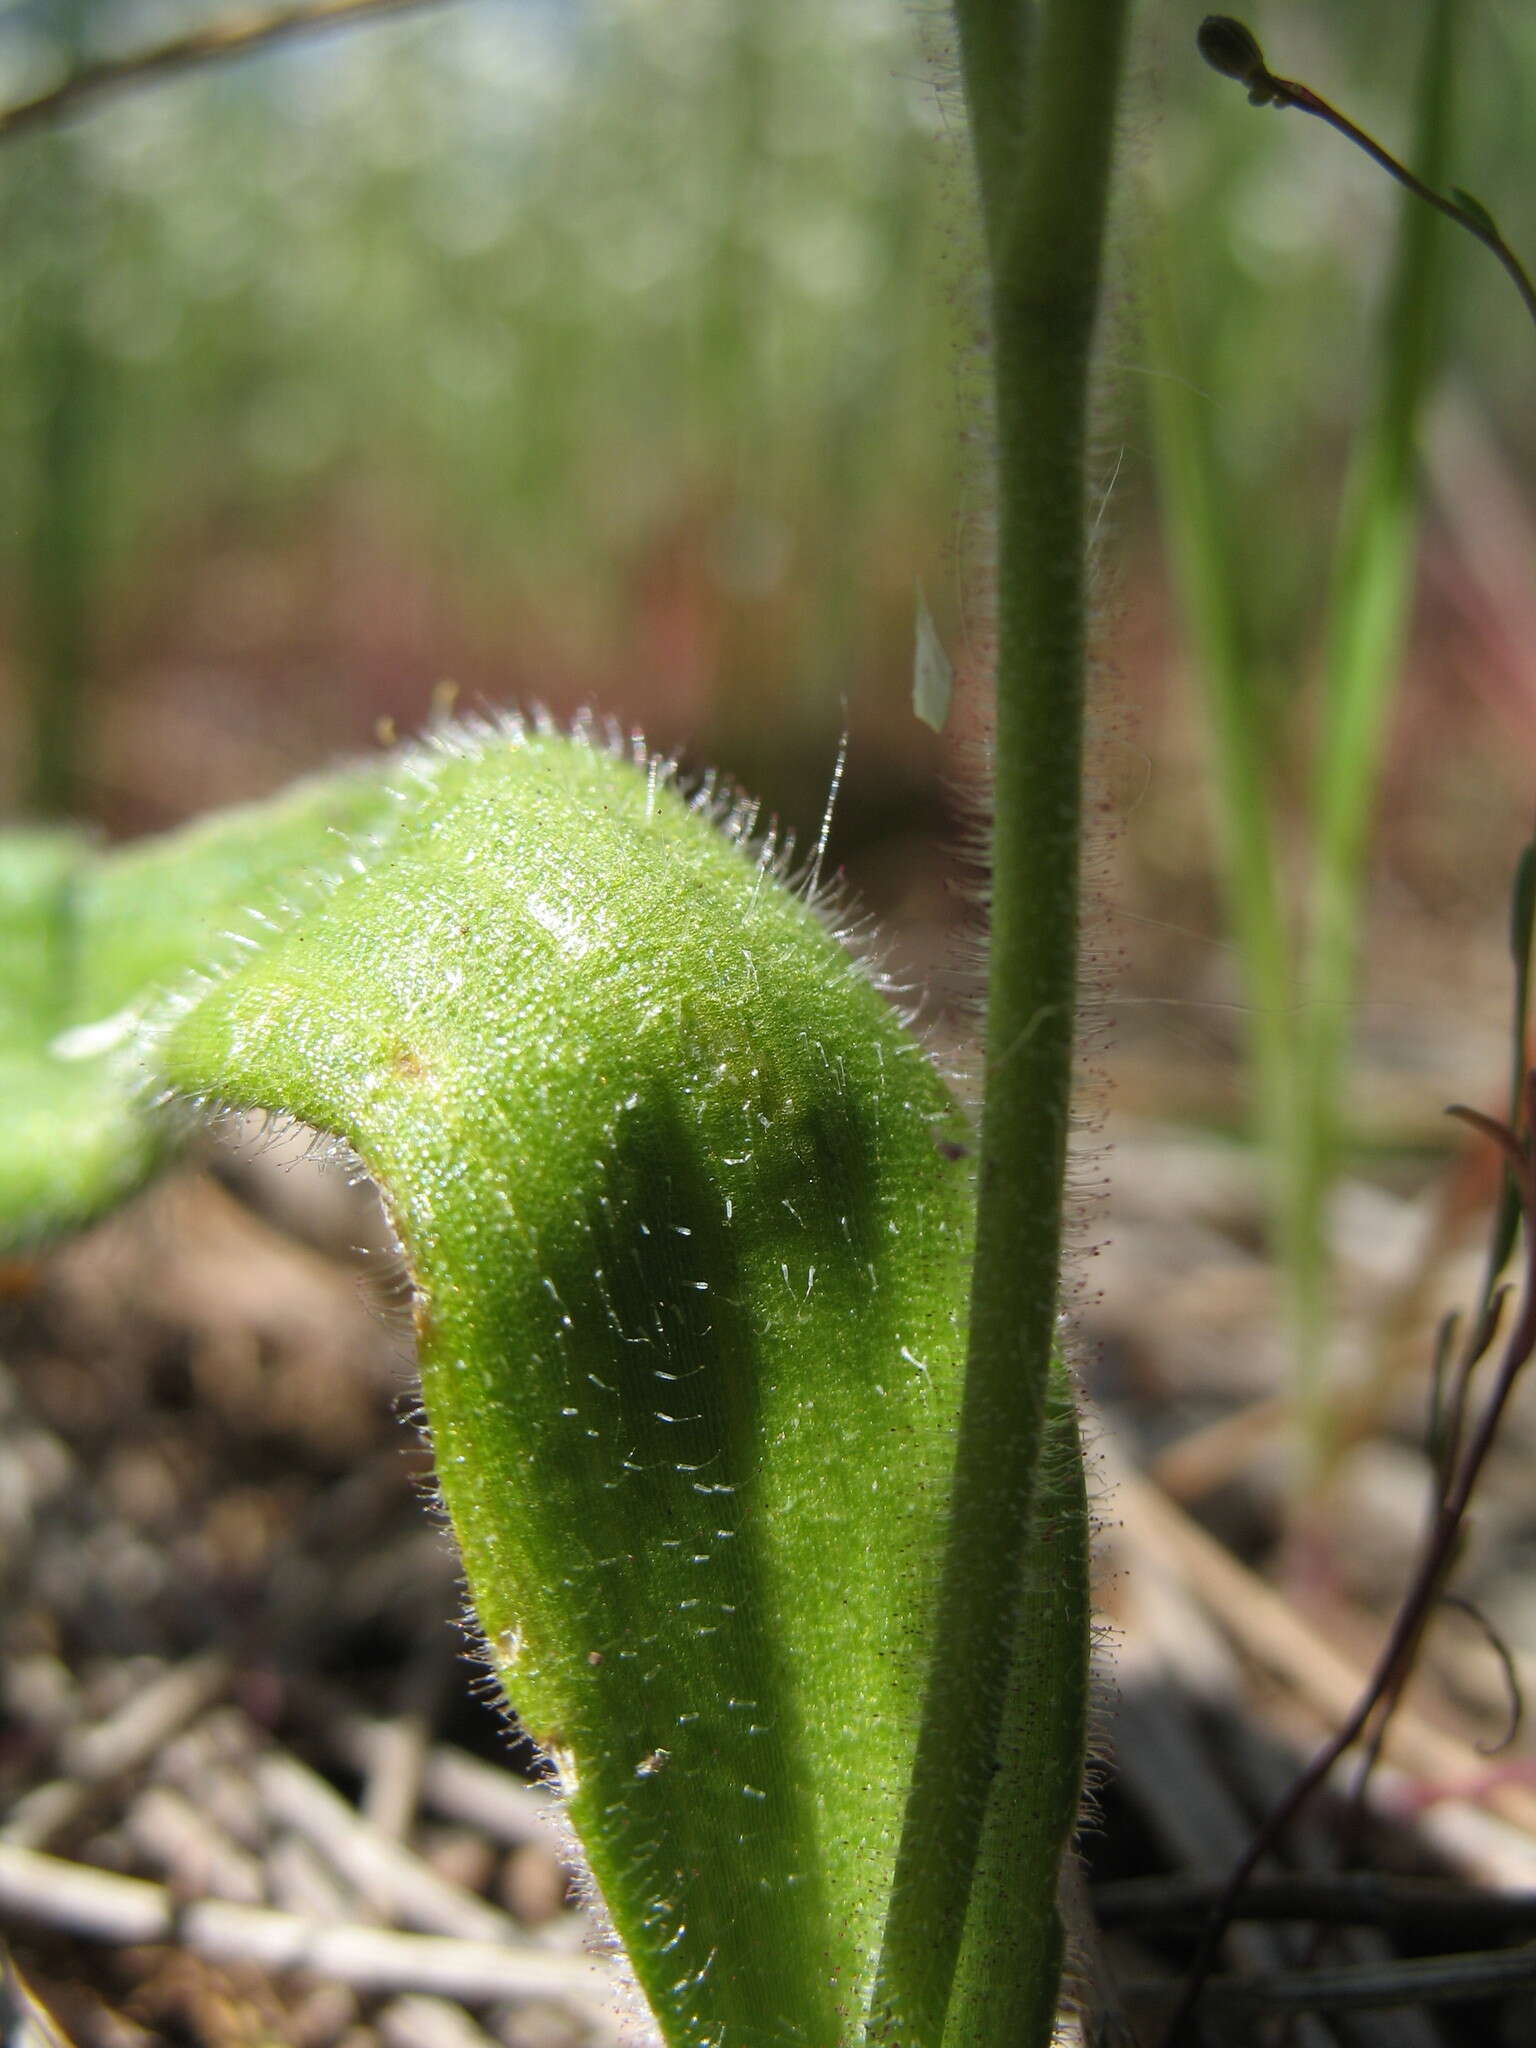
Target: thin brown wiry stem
1459, 1448
233, 37
1368, 1721
1233, 50
1514, 1692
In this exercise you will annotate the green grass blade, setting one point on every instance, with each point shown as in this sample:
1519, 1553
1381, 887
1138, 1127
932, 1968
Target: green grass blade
1368, 618
1195, 525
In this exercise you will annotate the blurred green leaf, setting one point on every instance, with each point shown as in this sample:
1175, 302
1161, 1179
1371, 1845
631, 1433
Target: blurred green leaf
92, 940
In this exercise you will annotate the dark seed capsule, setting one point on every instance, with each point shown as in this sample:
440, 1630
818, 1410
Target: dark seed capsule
1231, 49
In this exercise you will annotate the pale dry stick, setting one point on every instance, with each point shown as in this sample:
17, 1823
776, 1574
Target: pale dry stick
1271, 1632
392, 1781
190, 1848
1208, 1457
1486, 1850
116, 1747
418, 2022
457, 1786
24, 2021
71, 1898
233, 36
383, 1870
210, 1765
301, 1882
392, 1788
127, 1739
45, 1811
1482, 1847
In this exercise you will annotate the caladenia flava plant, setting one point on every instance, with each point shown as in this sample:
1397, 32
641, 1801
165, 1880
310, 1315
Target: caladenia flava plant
738, 1345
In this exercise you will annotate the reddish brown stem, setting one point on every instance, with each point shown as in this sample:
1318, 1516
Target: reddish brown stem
89, 82
1378, 1702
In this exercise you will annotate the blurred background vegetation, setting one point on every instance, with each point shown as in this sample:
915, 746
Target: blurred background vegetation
620, 352
590, 353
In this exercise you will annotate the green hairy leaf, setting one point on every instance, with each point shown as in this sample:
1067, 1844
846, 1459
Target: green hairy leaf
690, 1220
689, 1217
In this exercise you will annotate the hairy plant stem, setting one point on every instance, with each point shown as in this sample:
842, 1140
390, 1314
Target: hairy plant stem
1043, 166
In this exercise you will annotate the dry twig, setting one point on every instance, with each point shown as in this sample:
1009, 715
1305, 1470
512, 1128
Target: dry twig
72, 1898
234, 36
454, 1785
381, 1869
116, 1747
